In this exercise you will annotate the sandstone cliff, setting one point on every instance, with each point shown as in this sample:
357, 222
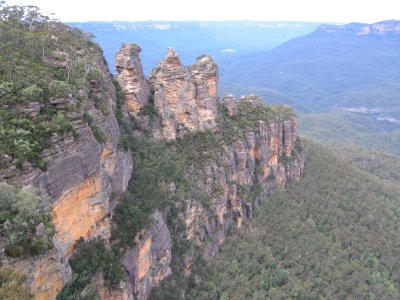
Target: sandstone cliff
131, 77
251, 148
84, 177
184, 97
258, 151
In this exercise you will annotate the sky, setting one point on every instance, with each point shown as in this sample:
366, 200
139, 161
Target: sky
339, 11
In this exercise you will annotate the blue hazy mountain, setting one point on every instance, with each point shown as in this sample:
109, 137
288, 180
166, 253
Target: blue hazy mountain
347, 65
345, 79
224, 40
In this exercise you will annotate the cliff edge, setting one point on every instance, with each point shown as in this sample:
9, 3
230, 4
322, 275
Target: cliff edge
233, 152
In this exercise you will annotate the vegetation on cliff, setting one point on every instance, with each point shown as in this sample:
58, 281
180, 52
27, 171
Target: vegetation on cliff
25, 221
91, 258
334, 234
166, 172
43, 63
250, 111
163, 177
12, 284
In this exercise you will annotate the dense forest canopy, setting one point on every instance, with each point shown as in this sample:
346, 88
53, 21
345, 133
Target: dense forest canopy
333, 235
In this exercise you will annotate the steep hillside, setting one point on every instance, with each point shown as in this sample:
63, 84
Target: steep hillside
223, 40
383, 166
332, 235
110, 186
201, 166
59, 141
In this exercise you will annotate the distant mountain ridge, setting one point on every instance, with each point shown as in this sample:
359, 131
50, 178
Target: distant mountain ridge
221, 39
340, 70
334, 66
380, 28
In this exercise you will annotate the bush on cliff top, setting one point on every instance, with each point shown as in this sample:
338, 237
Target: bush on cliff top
41, 59
248, 117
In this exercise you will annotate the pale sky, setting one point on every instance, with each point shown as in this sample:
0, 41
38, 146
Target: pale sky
341, 11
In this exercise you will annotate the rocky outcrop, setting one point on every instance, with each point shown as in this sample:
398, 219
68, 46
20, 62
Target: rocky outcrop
148, 263
83, 178
185, 98
47, 274
265, 159
86, 175
131, 77
236, 180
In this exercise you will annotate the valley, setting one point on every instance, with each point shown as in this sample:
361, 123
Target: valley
198, 160
344, 80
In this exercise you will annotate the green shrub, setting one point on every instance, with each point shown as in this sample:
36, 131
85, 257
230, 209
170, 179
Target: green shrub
36, 66
90, 258
25, 221
128, 219
149, 109
59, 89
120, 101
98, 133
12, 284
7, 93
32, 93
279, 278
59, 123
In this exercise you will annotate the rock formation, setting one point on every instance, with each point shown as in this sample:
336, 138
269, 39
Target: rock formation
131, 77
149, 262
185, 100
83, 178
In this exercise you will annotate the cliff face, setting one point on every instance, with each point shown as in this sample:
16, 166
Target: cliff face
264, 156
184, 98
83, 178
244, 171
255, 149
149, 263
131, 77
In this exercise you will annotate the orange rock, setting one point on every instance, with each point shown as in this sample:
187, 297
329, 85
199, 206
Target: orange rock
47, 282
144, 259
75, 216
